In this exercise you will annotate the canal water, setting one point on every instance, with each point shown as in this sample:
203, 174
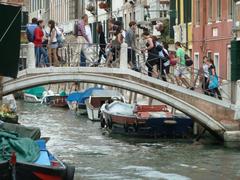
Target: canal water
97, 155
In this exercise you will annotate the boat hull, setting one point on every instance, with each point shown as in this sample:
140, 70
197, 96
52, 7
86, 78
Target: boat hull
58, 101
13, 120
152, 127
32, 171
31, 98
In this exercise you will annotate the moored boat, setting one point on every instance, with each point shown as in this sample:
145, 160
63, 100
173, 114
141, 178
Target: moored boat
28, 159
58, 101
76, 100
97, 99
33, 95
145, 120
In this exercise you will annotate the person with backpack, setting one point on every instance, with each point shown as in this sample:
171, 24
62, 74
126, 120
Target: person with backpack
153, 56
213, 82
181, 68
131, 42
30, 29
164, 61
38, 44
52, 44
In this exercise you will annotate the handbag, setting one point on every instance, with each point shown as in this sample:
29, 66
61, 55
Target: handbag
213, 82
188, 60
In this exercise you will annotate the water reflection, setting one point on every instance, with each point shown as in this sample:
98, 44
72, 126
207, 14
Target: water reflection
81, 142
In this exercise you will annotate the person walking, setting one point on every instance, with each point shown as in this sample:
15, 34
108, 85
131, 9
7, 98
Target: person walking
116, 44
213, 82
205, 76
164, 61
30, 29
153, 56
82, 39
102, 43
130, 39
181, 69
38, 44
52, 44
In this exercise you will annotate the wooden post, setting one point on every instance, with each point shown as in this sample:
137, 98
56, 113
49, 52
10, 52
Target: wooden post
130, 97
150, 101
135, 98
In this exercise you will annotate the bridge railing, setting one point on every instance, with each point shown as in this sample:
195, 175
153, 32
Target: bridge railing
70, 56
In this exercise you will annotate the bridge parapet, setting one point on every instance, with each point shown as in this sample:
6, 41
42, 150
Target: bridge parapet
217, 116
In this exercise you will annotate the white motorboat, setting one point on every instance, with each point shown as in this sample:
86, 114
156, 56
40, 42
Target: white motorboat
97, 99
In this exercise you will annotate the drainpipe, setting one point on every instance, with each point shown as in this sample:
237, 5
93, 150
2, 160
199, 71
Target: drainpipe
97, 43
203, 25
186, 21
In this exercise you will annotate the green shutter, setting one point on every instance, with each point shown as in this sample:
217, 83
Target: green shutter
235, 59
172, 17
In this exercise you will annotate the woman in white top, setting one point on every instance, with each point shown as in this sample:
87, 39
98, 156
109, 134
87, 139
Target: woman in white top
52, 44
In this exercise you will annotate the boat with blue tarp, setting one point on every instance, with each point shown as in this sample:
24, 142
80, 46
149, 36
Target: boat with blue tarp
76, 100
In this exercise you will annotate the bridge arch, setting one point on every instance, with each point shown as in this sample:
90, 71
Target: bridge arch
115, 78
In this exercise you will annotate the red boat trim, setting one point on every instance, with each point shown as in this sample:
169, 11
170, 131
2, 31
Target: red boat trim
46, 176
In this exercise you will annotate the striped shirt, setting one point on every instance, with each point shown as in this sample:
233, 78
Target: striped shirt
82, 31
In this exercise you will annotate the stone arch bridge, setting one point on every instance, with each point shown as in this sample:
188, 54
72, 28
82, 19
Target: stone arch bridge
220, 118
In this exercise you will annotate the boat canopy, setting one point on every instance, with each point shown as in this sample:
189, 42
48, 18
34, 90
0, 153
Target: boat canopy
26, 149
121, 108
36, 91
80, 97
106, 93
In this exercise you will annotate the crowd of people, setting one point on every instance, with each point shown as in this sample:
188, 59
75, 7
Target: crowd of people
169, 66
46, 41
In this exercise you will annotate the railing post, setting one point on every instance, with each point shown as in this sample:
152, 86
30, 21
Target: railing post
124, 56
31, 62
237, 110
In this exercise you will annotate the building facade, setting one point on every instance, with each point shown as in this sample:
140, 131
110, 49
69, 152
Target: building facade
183, 24
39, 9
17, 2
236, 17
212, 34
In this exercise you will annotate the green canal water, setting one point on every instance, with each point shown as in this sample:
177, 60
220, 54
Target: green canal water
96, 155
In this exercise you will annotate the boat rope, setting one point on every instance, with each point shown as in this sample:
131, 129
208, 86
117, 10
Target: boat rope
10, 25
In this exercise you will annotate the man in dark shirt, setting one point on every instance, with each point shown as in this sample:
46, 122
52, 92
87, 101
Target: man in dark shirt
131, 42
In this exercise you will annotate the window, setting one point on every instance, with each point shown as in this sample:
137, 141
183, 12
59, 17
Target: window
219, 9
197, 12
237, 16
196, 61
230, 9
209, 54
210, 10
187, 11
216, 62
